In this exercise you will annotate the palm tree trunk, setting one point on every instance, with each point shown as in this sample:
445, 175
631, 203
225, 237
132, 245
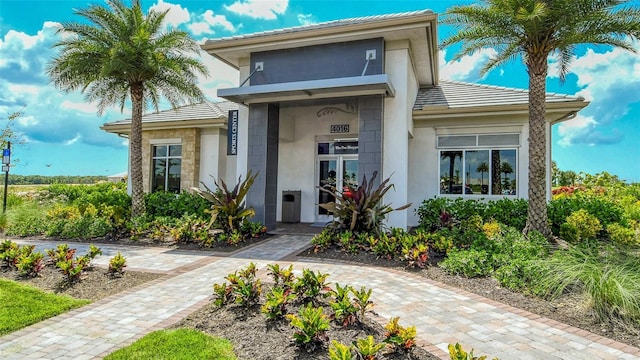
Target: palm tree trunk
135, 146
537, 210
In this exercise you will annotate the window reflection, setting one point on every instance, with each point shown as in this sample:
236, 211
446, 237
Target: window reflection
478, 172
166, 165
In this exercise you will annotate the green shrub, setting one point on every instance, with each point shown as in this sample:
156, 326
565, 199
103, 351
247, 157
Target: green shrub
276, 302
470, 263
312, 324
30, 265
580, 226
311, 285
189, 228
117, 264
165, 203
513, 258
339, 351
9, 253
624, 236
367, 348
429, 212
457, 353
27, 219
282, 277
384, 245
441, 241
400, 338
361, 301
323, 240
243, 289
607, 276
606, 211
510, 212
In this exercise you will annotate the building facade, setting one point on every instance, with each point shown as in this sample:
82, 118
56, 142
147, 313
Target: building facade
331, 103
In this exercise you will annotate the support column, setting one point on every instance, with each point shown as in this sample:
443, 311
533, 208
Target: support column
263, 159
370, 137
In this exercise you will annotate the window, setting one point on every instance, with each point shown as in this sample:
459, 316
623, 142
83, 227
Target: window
482, 167
166, 163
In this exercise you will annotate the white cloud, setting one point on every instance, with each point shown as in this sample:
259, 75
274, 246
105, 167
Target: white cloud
74, 140
259, 9
610, 81
221, 75
79, 106
306, 19
208, 21
22, 90
585, 130
176, 16
26, 121
466, 68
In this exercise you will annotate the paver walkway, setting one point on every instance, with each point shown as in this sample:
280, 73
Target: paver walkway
442, 314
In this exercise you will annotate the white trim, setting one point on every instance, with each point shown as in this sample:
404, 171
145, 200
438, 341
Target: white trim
339, 87
170, 141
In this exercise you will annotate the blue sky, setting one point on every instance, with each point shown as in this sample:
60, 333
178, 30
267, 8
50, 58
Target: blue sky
62, 131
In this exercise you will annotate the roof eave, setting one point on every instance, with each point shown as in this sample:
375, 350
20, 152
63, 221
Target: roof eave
437, 112
125, 127
307, 36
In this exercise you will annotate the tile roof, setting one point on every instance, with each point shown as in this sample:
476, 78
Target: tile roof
324, 25
200, 111
453, 94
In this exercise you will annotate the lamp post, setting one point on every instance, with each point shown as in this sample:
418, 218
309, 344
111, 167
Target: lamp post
6, 160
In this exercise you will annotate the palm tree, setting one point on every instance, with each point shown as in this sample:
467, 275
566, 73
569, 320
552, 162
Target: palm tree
506, 169
121, 54
451, 155
533, 30
482, 168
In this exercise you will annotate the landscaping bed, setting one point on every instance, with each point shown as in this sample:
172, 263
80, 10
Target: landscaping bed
94, 285
256, 338
568, 309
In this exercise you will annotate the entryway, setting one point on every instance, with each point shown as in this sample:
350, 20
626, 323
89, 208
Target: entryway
337, 164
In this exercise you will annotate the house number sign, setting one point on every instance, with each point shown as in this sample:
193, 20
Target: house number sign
339, 128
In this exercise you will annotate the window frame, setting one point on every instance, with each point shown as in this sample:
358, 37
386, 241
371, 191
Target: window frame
167, 157
470, 147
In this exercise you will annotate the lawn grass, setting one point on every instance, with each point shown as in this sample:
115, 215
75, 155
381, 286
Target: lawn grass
187, 344
22, 305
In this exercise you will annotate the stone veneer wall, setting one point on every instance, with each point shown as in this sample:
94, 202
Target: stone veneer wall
190, 169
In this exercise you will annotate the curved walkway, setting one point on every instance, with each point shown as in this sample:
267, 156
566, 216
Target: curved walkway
442, 314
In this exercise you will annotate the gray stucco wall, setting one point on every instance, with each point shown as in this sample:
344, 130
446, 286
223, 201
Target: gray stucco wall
263, 159
370, 136
328, 61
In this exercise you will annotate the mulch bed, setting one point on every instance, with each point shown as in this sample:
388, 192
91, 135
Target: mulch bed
222, 247
256, 338
94, 285
569, 309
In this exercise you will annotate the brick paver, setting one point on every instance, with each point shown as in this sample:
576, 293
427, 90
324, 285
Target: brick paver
442, 314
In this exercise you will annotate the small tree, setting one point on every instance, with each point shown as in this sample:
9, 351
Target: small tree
121, 54
359, 210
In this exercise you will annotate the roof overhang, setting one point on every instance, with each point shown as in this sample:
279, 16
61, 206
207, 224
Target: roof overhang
555, 111
420, 28
311, 89
124, 127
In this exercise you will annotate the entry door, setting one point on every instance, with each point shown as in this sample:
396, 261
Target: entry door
332, 170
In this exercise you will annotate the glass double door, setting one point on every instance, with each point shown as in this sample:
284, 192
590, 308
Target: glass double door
335, 172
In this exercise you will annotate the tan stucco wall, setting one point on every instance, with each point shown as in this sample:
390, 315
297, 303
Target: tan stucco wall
190, 141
